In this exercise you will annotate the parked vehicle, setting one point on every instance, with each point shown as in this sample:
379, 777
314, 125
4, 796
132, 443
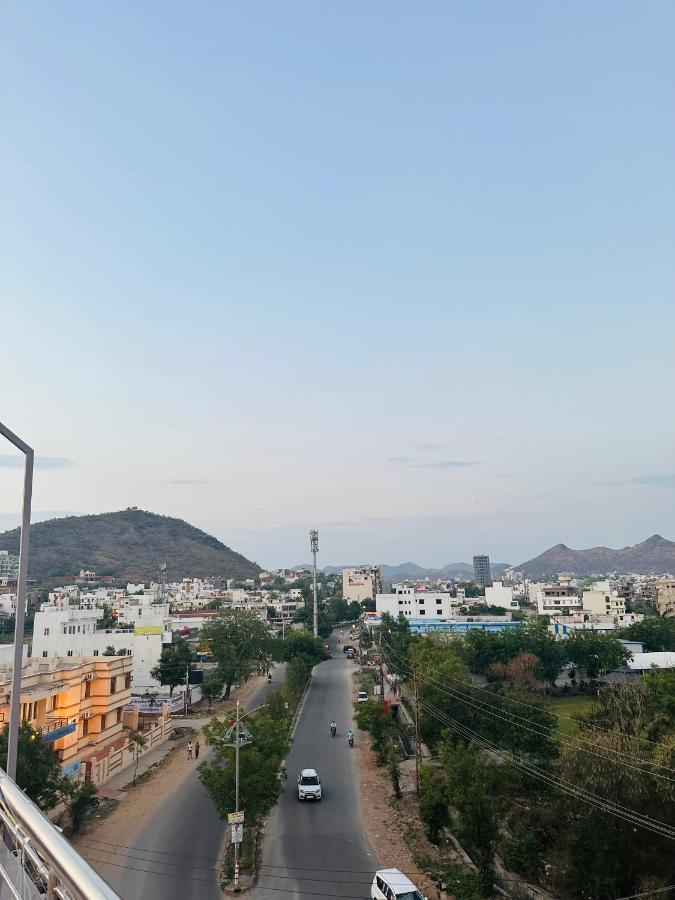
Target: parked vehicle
392, 884
309, 785
362, 697
350, 653
347, 648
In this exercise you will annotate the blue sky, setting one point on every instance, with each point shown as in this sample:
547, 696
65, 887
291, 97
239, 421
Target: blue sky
273, 266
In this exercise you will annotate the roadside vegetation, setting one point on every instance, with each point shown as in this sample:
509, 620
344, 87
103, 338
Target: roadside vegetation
571, 789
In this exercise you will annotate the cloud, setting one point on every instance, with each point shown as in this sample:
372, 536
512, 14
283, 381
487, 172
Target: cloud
9, 461
660, 480
447, 464
188, 481
507, 475
427, 447
402, 460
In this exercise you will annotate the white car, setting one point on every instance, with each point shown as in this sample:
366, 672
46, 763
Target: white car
392, 884
309, 785
362, 697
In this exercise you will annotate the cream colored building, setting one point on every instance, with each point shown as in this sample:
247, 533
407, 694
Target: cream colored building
665, 597
361, 584
601, 600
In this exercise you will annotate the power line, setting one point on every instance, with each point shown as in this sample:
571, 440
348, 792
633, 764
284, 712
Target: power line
670, 887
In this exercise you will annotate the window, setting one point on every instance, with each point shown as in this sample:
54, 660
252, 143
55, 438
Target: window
423, 612
70, 653
119, 714
44, 652
78, 629
95, 652
46, 630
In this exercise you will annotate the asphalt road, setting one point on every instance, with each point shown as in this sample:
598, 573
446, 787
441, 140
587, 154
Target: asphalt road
314, 850
175, 856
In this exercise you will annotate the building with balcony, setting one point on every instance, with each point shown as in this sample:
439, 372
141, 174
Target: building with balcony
75, 704
601, 600
362, 583
665, 597
411, 603
556, 598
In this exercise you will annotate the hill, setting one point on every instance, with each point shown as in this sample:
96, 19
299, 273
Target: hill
655, 555
404, 570
130, 544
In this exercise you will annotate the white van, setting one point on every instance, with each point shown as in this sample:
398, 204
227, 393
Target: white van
392, 884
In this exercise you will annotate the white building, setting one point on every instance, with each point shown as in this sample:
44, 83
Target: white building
556, 598
71, 631
361, 584
408, 602
9, 565
602, 600
8, 604
498, 594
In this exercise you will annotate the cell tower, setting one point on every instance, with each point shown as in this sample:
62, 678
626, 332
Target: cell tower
314, 545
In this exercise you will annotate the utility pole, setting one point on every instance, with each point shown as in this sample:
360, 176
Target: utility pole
418, 742
236, 801
314, 544
379, 642
187, 682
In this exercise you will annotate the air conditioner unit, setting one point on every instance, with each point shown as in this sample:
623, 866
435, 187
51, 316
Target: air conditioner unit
90, 676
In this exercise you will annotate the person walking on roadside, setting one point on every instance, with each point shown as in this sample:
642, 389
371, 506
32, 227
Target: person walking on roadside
196, 749
189, 749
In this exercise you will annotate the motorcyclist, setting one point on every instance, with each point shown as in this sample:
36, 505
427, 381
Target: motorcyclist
333, 728
269, 678
350, 738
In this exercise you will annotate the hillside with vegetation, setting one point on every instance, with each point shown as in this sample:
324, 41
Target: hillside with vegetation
130, 544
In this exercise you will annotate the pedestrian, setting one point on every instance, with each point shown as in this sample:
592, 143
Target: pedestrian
189, 749
196, 749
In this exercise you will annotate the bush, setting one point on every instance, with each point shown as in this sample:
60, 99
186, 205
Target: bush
522, 853
434, 802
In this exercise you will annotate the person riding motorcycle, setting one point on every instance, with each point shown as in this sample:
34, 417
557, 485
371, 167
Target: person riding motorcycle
333, 729
350, 737
269, 678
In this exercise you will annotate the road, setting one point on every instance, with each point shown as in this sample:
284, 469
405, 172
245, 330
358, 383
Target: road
314, 850
175, 856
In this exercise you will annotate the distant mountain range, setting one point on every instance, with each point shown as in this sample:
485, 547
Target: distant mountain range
412, 570
655, 555
130, 544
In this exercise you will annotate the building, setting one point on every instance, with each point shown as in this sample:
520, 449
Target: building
498, 594
665, 597
459, 625
481, 571
600, 599
363, 583
74, 704
411, 603
556, 598
63, 632
9, 565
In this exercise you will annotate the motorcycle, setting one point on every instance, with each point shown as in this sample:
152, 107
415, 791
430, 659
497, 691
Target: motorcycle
333, 730
350, 740
269, 679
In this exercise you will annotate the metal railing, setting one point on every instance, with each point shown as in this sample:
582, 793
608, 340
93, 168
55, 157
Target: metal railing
36, 861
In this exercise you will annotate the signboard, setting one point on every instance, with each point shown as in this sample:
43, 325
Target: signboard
148, 629
237, 833
235, 817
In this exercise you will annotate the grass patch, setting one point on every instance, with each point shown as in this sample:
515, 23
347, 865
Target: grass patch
573, 707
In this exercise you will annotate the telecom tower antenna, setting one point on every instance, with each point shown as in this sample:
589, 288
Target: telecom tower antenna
314, 544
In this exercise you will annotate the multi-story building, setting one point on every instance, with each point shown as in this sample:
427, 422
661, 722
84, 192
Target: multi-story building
360, 584
665, 597
481, 571
9, 565
74, 704
499, 594
556, 598
63, 632
408, 602
601, 599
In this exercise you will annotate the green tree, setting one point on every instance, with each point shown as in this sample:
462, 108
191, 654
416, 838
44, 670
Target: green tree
395, 638
434, 802
212, 688
373, 717
77, 797
240, 643
655, 633
38, 772
173, 665
302, 643
137, 743
110, 651
597, 653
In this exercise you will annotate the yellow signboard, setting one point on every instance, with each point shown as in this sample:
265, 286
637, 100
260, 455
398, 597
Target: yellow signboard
148, 629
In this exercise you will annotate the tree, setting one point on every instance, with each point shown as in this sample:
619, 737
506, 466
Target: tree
597, 653
110, 651
38, 772
373, 716
240, 643
302, 643
434, 802
655, 633
137, 743
77, 797
519, 672
442, 679
212, 688
172, 666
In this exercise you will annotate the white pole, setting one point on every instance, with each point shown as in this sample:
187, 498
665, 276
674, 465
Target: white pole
19, 621
314, 544
236, 803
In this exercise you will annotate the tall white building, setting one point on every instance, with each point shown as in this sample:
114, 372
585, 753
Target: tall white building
71, 631
556, 598
361, 584
408, 602
9, 565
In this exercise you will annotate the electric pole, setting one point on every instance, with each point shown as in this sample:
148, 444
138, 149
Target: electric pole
418, 742
242, 736
314, 544
236, 801
379, 643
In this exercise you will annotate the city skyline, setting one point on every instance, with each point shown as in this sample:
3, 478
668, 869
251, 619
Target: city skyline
409, 283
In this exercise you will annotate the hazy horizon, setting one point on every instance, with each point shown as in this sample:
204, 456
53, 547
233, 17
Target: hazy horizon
404, 275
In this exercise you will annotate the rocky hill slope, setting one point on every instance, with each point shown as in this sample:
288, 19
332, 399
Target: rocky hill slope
655, 555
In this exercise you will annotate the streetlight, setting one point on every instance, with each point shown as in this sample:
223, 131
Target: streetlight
314, 544
15, 698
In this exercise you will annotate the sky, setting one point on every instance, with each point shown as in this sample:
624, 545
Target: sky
401, 272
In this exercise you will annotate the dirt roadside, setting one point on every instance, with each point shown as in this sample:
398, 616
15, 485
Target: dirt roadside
141, 802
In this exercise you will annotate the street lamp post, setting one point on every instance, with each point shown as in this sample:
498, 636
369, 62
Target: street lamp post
15, 697
314, 544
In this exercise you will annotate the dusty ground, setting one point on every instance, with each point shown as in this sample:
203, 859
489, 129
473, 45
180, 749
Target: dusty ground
141, 801
391, 826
